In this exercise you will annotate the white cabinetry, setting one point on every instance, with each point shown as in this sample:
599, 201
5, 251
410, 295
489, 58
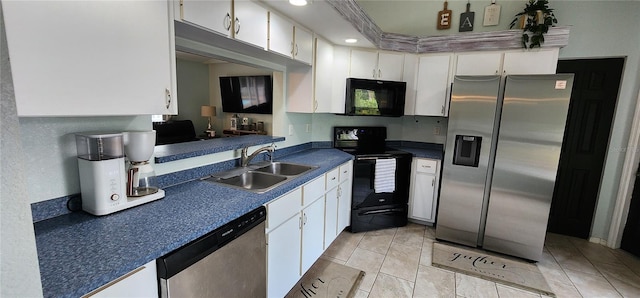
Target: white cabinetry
141, 282
312, 233
289, 40
284, 238
344, 196
250, 23
433, 85
213, 15
542, 61
425, 176
483, 63
297, 225
91, 58
243, 20
539, 61
376, 65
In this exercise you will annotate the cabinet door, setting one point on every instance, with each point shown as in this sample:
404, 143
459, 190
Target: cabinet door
390, 66
471, 64
141, 282
542, 61
340, 74
422, 197
303, 48
323, 79
280, 35
213, 15
330, 217
344, 205
363, 64
283, 257
433, 85
91, 58
312, 234
409, 75
250, 23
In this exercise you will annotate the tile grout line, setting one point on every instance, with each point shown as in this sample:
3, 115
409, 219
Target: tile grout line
596, 268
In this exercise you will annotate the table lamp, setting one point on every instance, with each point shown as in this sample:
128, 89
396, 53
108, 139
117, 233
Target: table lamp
208, 111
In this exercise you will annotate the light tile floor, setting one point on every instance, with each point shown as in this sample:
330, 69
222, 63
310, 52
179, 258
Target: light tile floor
397, 263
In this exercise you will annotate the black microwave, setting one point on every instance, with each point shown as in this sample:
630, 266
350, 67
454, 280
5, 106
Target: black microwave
375, 98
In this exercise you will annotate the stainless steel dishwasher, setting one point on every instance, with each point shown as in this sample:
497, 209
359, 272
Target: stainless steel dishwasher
228, 262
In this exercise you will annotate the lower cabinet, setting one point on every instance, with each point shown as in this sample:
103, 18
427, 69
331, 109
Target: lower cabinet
141, 282
300, 226
423, 196
312, 233
283, 257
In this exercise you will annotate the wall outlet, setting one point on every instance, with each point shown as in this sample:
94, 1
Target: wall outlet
290, 129
437, 130
308, 128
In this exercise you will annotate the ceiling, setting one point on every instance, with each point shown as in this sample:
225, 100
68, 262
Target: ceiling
320, 17
409, 17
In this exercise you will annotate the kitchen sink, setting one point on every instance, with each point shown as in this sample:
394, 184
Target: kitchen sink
251, 180
285, 169
259, 178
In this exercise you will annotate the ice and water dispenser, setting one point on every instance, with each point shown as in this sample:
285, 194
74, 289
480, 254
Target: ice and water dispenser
467, 150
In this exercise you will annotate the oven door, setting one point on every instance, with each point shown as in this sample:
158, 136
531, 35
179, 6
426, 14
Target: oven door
374, 211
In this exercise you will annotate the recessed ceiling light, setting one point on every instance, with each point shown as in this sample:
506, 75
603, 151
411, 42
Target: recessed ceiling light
298, 2
350, 40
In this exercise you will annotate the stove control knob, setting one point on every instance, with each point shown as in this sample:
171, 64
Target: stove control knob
115, 197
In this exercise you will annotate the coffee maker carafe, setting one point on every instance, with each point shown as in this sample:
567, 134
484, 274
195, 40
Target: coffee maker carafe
106, 186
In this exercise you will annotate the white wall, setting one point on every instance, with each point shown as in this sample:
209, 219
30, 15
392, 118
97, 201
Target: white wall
19, 271
193, 92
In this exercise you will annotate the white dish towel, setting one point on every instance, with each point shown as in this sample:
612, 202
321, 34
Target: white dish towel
385, 175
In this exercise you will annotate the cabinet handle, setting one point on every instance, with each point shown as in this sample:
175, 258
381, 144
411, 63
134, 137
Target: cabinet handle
373, 73
292, 52
237, 25
167, 97
300, 222
379, 73
226, 23
304, 222
333, 178
433, 182
296, 54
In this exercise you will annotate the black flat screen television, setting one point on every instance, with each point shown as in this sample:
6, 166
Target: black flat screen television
247, 94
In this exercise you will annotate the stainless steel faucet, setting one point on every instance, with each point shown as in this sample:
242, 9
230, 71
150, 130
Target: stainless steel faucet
244, 159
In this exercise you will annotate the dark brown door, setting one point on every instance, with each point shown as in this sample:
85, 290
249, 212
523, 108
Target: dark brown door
593, 100
631, 234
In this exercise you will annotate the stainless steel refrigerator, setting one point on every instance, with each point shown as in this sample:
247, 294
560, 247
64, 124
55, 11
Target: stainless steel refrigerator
500, 162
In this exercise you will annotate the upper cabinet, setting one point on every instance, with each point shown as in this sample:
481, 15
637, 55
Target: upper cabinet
376, 65
539, 61
213, 15
250, 23
433, 84
482, 63
91, 58
290, 40
243, 20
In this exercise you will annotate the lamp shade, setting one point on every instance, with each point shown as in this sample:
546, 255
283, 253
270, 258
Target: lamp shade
207, 111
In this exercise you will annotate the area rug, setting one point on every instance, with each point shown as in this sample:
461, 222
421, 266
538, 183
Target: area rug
515, 273
327, 279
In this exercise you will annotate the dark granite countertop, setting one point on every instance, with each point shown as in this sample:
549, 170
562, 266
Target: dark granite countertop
79, 252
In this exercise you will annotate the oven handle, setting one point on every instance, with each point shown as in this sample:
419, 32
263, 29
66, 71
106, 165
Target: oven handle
388, 210
374, 157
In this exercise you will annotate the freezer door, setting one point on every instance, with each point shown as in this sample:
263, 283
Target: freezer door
526, 162
464, 173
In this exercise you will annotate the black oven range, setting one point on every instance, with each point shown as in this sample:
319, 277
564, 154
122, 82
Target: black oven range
381, 175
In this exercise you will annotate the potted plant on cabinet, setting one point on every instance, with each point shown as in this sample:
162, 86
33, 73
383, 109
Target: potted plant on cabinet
534, 21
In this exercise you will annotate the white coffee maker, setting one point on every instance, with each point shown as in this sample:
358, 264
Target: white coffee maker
105, 183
